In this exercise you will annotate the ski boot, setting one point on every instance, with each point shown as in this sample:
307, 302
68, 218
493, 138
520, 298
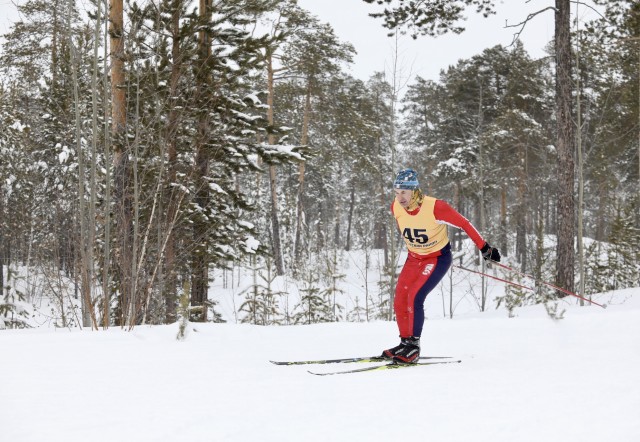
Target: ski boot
409, 353
402, 351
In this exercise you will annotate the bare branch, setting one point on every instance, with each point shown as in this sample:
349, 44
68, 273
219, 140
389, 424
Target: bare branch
522, 24
590, 7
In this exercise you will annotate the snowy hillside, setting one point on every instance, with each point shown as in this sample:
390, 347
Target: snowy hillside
522, 379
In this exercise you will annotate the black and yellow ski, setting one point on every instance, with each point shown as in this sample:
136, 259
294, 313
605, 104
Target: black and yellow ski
349, 360
390, 366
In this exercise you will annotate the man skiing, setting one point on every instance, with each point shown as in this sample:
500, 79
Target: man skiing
422, 221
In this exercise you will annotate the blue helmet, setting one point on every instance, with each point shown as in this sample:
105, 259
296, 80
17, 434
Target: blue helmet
406, 179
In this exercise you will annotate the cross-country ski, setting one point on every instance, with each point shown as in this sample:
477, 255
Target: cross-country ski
349, 360
389, 366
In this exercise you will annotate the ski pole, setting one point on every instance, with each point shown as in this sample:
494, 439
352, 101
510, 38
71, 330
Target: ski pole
548, 284
496, 278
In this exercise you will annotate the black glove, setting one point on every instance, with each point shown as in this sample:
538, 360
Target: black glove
490, 253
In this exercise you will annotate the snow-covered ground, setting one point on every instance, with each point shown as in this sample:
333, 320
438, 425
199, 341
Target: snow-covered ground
527, 378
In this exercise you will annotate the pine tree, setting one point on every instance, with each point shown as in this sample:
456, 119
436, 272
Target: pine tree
565, 146
436, 18
430, 17
38, 59
13, 309
260, 298
622, 256
13, 167
596, 269
219, 111
314, 307
310, 57
609, 60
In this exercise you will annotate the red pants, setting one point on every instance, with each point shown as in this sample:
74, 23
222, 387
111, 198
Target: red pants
418, 277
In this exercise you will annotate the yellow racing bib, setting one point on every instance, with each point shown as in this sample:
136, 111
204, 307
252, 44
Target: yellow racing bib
422, 233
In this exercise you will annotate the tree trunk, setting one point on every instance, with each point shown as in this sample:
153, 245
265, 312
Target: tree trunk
336, 223
352, 203
565, 148
2, 242
304, 140
601, 212
122, 164
200, 262
504, 246
171, 286
521, 209
86, 239
275, 223
106, 319
137, 299
539, 258
581, 269
54, 45
94, 141
456, 243
483, 281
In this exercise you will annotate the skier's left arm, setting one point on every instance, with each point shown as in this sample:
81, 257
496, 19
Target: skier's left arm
447, 214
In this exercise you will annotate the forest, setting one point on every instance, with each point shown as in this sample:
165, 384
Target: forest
144, 145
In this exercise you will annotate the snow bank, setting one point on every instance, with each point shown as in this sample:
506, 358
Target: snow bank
522, 379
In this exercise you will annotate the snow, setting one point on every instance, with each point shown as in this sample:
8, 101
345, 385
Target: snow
523, 379
63, 156
251, 244
254, 99
528, 378
18, 126
453, 164
216, 188
282, 148
247, 224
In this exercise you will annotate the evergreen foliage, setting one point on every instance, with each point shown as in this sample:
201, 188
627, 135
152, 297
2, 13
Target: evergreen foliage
622, 262
430, 17
202, 151
314, 306
261, 299
13, 313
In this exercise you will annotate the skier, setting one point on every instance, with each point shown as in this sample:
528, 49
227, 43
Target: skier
423, 220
